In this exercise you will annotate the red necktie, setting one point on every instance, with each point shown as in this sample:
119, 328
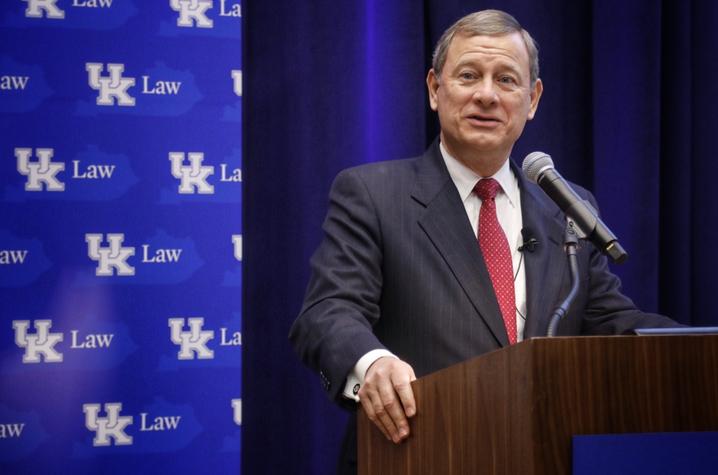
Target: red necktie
497, 254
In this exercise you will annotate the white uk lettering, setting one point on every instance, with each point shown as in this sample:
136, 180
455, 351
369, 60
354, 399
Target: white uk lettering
12, 256
160, 87
160, 255
237, 406
43, 8
8, 83
230, 339
91, 341
92, 3
8, 431
92, 172
159, 423
234, 10
110, 428
234, 175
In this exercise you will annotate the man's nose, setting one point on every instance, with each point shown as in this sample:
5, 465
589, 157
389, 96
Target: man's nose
485, 92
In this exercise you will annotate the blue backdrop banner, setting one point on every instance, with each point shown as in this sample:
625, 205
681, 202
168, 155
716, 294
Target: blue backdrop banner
120, 236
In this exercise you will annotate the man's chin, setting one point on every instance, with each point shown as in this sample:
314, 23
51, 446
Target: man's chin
473, 144
488, 143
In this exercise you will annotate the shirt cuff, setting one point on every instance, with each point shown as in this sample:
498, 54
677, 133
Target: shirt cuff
356, 378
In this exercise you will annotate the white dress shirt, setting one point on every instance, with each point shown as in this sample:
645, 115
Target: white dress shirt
508, 210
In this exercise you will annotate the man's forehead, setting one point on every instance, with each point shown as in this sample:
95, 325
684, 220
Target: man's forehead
510, 44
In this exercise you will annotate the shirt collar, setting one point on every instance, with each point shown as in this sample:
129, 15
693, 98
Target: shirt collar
466, 179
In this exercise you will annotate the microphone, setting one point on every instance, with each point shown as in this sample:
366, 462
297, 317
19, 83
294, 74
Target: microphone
538, 167
529, 241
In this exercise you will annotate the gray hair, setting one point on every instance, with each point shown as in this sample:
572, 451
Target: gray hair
488, 23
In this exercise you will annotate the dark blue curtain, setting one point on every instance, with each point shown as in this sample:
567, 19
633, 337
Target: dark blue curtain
631, 93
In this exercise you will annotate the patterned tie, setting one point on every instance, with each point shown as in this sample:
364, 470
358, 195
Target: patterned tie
497, 254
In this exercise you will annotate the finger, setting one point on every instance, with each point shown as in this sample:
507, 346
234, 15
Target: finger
406, 395
383, 416
379, 388
369, 410
399, 427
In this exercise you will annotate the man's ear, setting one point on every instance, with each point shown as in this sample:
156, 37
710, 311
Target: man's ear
535, 98
432, 86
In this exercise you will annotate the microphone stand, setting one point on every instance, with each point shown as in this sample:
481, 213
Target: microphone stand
571, 248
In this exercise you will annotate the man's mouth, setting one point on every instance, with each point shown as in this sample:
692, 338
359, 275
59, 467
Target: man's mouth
483, 120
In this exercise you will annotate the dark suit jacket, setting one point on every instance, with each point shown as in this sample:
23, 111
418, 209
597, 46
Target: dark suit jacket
400, 268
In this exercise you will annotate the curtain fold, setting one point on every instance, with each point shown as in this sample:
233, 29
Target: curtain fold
631, 90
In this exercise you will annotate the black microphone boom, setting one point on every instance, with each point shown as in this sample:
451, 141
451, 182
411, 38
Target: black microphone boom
538, 167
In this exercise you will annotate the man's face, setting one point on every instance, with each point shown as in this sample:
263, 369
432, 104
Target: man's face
483, 98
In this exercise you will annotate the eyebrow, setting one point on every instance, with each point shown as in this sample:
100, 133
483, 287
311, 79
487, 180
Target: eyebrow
501, 64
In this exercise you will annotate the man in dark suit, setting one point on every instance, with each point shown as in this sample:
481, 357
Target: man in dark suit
401, 285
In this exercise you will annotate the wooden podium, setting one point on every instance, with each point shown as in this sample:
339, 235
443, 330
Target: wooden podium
514, 411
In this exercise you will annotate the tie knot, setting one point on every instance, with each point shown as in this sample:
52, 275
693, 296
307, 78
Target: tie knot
487, 188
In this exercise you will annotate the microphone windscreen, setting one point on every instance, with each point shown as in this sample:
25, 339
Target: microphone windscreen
527, 234
535, 163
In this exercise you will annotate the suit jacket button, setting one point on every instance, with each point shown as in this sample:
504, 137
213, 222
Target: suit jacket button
326, 384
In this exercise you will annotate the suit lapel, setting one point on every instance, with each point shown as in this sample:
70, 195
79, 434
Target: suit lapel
444, 222
545, 266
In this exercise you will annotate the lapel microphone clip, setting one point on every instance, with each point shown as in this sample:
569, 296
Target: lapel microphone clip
530, 242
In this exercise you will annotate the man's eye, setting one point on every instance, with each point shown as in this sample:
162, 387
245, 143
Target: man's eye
507, 80
467, 76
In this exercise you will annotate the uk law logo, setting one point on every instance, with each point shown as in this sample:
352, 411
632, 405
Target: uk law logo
13, 83
23, 86
237, 81
237, 244
193, 13
22, 260
193, 177
112, 258
11, 431
194, 341
73, 14
41, 173
49, 8
13, 256
43, 9
39, 346
110, 343
110, 428
21, 433
113, 86
160, 259
237, 411
83, 177
233, 275
233, 112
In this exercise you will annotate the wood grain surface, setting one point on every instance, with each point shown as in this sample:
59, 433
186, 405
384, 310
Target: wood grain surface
514, 411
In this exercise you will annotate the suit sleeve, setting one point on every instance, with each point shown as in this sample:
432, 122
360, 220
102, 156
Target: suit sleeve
334, 327
608, 310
